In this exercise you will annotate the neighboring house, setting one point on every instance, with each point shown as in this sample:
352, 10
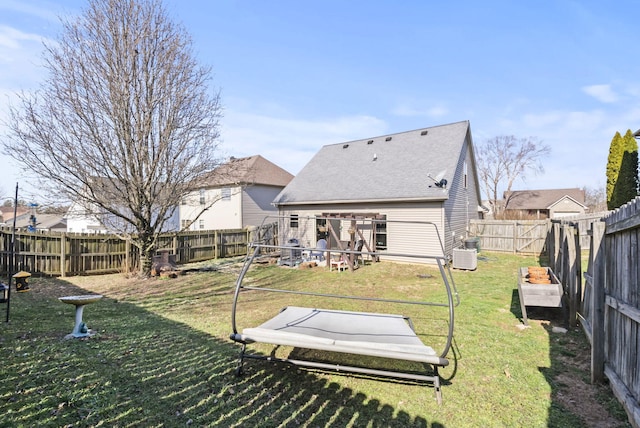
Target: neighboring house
543, 204
238, 194
427, 175
81, 220
7, 213
44, 222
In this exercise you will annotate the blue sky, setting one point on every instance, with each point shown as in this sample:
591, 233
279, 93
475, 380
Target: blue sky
297, 75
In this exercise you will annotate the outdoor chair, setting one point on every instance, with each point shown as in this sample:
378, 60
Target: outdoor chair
321, 247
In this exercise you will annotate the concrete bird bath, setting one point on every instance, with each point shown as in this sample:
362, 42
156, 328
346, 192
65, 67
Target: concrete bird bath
80, 329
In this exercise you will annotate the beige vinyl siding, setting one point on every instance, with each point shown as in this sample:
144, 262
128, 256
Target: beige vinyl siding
565, 207
401, 238
256, 204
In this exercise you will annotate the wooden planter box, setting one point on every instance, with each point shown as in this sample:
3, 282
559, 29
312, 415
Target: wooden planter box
546, 295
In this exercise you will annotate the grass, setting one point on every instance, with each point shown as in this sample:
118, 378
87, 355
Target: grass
162, 357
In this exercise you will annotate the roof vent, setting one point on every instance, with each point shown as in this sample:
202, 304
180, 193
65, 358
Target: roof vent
387, 139
370, 142
345, 146
424, 132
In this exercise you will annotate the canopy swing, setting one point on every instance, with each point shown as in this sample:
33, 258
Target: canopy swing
342, 330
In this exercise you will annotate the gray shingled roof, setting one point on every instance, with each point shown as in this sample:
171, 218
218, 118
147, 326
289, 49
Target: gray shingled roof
385, 168
541, 199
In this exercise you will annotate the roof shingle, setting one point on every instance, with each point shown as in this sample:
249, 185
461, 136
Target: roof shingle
385, 168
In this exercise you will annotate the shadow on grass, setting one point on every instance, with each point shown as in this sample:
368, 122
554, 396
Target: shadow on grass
536, 312
574, 399
145, 370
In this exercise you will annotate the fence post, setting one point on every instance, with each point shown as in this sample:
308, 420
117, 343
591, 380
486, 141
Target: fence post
174, 245
215, 244
578, 267
598, 261
63, 255
127, 256
570, 273
515, 237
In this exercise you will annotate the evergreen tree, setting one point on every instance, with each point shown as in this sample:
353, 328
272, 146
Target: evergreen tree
614, 161
627, 185
622, 170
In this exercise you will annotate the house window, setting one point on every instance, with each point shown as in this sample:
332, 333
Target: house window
293, 221
380, 226
185, 223
225, 194
321, 229
202, 197
201, 223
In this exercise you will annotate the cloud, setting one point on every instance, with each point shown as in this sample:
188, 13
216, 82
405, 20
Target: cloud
579, 142
20, 56
23, 7
602, 93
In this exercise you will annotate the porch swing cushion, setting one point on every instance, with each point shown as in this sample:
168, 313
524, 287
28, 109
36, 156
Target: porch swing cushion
362, 333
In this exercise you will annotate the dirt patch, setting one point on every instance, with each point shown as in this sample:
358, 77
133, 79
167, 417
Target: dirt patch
580, 398
573, 389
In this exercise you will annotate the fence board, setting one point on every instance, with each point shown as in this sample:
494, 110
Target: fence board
620, 331
61, 254
513, 236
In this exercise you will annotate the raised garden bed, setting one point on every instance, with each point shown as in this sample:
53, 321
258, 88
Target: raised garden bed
539, 286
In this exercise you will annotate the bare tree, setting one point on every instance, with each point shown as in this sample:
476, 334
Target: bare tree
596, 198
503, 159
125, 121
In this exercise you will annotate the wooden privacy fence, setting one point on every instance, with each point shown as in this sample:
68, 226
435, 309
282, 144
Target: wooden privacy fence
62, 254
564, 253
512, 236
611, 310
583, 222
607, 305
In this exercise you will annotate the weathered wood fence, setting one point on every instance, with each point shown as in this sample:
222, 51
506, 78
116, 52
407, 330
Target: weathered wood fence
610, 314
61, 254
608, 307
513, 236
564, 254
607, 304
527, 236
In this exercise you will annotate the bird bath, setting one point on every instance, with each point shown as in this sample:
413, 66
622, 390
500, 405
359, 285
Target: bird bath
80, 329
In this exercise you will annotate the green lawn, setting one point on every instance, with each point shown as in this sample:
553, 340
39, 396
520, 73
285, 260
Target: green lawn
162, 357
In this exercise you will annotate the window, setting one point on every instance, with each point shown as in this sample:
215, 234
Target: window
202, 197
225, 194
201, 223
185, 223
321, 229
293, 221
380, 226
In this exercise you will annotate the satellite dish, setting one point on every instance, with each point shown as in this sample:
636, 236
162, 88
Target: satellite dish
439, 179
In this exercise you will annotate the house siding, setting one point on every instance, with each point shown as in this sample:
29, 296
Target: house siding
463, 202
222, 214
256, 204
566, 207
401, 238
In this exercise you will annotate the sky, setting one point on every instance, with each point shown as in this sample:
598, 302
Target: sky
296, 75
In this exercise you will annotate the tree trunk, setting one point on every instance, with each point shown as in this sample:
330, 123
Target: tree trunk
146, 263
147, 246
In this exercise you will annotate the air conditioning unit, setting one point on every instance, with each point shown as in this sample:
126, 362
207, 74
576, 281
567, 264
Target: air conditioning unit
465, 259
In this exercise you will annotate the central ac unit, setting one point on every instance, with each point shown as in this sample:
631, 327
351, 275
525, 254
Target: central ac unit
465, 259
